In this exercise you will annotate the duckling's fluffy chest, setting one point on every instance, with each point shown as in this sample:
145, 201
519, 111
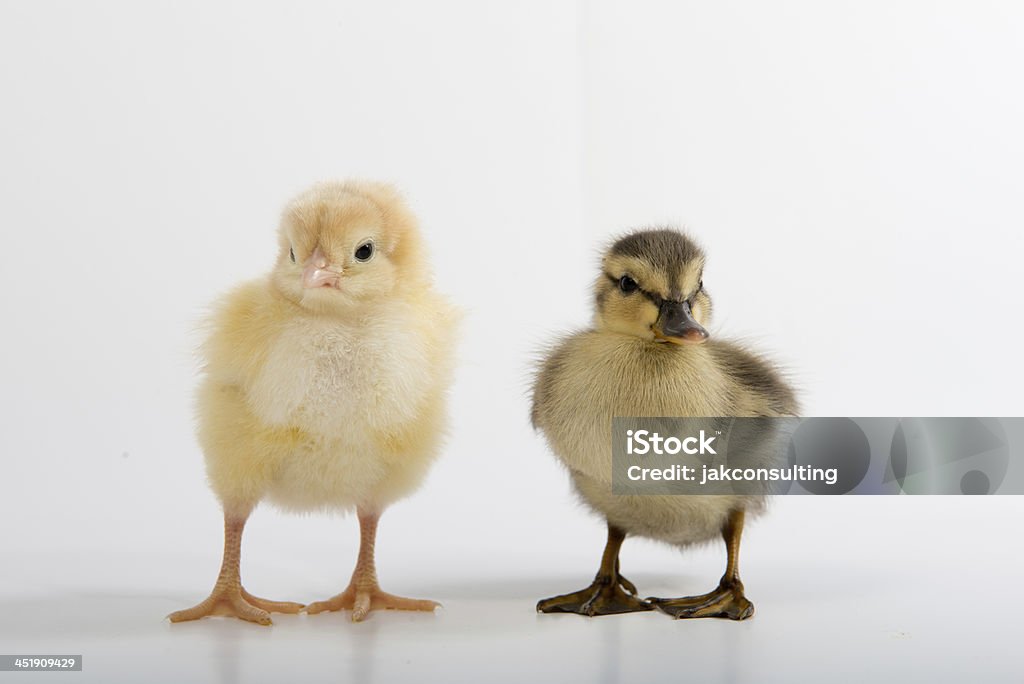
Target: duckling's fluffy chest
338, 381
593, 377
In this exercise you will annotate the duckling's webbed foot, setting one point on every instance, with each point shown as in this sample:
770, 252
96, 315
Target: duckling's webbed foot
608, 595
727, 601
625, 583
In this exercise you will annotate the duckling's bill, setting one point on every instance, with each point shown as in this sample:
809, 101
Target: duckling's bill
677, 325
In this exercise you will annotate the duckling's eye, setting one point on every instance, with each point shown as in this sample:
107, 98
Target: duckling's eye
364, 251
627, 284
291, 253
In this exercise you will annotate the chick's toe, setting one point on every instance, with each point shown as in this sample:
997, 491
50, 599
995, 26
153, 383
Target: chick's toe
364, 600
227, 601
363, 593
272, 606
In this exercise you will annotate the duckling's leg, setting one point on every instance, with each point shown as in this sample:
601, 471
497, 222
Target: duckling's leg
727, 600
610, 592
228, 597
363, 594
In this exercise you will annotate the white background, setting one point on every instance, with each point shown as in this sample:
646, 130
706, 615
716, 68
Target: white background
853, 170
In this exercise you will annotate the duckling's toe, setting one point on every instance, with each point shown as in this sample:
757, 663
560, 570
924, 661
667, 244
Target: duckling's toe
727, 601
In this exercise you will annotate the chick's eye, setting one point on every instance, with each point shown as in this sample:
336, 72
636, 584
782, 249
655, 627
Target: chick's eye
627, 284
291, 253
364, 251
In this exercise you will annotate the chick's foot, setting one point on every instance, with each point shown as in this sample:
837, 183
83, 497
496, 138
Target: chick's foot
234, 601
228, 597
727, 601
363, 594
608, 595
363, 600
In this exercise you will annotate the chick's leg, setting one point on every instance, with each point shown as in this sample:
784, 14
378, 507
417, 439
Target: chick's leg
727, 600
228, 597
363, 594
610, 593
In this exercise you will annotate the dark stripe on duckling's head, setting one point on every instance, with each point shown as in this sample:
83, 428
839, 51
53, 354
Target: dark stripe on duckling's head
663, 248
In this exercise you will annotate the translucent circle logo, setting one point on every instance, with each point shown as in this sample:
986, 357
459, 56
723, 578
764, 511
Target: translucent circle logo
949, 455
831, 443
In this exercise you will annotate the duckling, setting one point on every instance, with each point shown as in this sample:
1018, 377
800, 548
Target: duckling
324, 384
649, 353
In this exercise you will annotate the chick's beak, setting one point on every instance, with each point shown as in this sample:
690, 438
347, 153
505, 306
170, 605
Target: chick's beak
676, 324
317, 272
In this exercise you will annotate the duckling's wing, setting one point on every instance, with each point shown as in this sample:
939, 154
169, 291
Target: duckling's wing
548, 371
758, 386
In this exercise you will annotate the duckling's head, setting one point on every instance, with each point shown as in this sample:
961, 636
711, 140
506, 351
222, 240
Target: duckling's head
651, 286
345, 244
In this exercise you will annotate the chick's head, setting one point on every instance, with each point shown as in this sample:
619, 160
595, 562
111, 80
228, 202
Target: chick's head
651, 286
347, 244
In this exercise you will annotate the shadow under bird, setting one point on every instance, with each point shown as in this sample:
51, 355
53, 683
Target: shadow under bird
324, 384
649, 354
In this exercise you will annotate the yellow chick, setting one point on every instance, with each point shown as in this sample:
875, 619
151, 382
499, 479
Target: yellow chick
324, 384
650, 354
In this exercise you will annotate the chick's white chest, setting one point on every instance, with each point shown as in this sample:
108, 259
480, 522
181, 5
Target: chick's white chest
337, 380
